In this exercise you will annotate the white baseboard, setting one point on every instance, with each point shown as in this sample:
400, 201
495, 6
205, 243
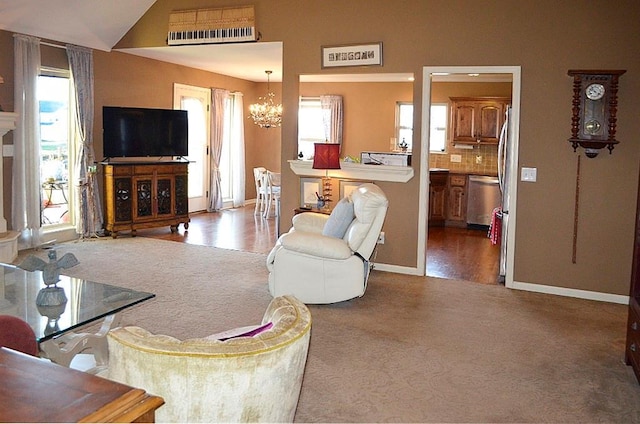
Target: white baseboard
517, 285
580, 294
397, 269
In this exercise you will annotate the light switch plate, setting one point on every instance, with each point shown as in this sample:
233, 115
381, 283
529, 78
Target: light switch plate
529, 174
456, 158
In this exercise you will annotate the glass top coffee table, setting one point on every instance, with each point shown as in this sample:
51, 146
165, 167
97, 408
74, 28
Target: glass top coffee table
55, 326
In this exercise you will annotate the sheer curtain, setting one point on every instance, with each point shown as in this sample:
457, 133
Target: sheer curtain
237, 150
81, 66
25, 202
218, 98
332, 118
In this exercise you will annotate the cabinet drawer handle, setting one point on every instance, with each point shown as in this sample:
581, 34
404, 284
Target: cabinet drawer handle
634, 326
632, 347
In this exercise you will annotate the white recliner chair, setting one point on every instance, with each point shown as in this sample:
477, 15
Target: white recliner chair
325, 259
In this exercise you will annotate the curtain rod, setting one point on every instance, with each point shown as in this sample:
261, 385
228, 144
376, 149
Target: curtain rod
44, 43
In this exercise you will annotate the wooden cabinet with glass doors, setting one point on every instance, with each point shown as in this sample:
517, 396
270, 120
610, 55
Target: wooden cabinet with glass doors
145, 195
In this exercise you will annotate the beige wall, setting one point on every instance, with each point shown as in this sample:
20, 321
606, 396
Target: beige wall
545, 38
369, 111
126, 80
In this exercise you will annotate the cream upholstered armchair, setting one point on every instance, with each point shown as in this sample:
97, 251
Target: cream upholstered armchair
325, 259
251, 378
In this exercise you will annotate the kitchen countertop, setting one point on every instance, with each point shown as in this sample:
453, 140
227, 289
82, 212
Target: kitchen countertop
488, 174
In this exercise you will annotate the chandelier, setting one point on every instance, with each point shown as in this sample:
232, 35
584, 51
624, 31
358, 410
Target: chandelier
266, 114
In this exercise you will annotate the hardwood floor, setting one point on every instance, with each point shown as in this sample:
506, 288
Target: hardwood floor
454, 253
461, 253
237, 229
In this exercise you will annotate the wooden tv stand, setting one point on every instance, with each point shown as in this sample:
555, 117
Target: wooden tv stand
142, 195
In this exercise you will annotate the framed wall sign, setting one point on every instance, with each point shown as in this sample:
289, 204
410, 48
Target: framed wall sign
352, 55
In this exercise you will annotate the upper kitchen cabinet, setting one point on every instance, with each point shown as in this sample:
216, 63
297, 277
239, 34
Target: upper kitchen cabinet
477, 119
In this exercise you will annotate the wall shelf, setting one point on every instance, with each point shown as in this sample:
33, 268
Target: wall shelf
355, 171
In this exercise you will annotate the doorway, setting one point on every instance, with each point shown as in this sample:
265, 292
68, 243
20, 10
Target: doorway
429, 73
196, 101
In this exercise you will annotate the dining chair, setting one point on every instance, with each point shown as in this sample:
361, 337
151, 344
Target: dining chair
16, 334
259, 176
273, 193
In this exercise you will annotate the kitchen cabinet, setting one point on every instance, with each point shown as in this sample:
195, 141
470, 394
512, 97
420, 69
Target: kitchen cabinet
145, 195
632, 349
457, 205
477, 119
437, 197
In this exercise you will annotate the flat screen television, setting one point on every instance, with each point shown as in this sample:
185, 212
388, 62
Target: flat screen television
142, 132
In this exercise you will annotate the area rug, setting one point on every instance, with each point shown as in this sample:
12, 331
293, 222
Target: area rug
412, 349
199, 290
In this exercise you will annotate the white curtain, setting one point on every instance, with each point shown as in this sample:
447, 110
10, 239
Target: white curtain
26, 202
237, 150
332, 118
218, 98
81, 66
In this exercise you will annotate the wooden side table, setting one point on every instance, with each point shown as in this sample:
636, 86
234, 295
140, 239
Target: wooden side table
35, 390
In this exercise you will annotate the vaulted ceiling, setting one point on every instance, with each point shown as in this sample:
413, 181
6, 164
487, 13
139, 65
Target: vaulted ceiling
100, 24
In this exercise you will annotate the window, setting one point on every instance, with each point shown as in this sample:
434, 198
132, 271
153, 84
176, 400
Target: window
226, 166
438, 128
56, 153
232, 165
310, 126
404, 125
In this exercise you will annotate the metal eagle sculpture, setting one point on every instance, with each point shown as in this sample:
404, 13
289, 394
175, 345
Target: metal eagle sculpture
50, 270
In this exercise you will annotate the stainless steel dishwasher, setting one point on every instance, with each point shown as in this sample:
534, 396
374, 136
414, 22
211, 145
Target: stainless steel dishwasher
482, 198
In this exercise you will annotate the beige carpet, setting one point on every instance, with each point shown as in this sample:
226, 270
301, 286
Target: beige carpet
411, 350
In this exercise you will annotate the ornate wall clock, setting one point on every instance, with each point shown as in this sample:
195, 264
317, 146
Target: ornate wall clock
595, 105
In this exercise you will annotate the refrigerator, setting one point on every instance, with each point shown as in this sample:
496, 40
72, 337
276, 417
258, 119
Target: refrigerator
505, 163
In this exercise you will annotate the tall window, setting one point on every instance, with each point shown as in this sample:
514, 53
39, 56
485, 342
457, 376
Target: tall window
226, 177
310, 126
404, 124
232, 165
54, 94
438, 128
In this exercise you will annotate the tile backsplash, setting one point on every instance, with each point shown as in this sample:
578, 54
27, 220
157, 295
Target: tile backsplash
481, 160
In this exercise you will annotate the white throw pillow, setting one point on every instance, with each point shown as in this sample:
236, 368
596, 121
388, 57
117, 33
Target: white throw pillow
339, 220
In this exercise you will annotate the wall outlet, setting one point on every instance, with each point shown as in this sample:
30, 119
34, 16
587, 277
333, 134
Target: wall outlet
456, 158
529, 174
381, 238
478, 159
